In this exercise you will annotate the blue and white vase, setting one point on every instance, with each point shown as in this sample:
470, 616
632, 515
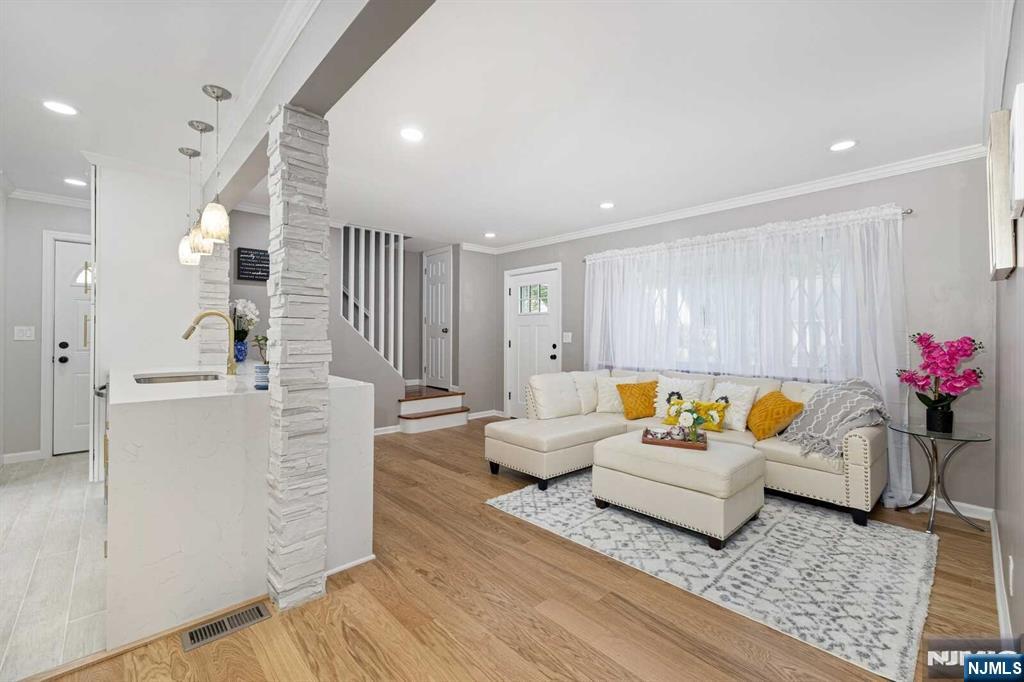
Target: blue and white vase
262, 377
241, 350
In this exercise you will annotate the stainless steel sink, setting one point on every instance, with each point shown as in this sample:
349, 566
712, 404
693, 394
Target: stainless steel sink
176, 378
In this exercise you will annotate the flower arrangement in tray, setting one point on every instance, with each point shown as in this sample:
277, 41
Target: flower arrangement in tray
937, 381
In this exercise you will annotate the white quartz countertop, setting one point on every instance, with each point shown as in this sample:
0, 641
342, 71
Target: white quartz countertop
124, 389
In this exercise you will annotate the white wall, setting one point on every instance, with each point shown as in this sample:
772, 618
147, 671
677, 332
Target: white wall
144, 298
24, 222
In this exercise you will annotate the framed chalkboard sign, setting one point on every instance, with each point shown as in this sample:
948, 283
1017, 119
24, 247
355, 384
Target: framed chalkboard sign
253, 264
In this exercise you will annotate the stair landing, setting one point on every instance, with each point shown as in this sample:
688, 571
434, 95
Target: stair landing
425, 408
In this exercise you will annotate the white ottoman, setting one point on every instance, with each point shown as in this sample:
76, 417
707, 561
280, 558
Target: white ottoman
713, 491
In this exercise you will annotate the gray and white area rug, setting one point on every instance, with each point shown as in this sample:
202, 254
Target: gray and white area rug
859, 593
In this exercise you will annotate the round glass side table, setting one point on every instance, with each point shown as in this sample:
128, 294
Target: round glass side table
928, 440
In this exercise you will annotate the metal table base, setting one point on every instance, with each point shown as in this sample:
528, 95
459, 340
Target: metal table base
937, 480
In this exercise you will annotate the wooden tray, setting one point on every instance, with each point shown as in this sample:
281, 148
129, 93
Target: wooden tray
701, 444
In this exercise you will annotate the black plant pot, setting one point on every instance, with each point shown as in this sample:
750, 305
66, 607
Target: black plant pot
939, 419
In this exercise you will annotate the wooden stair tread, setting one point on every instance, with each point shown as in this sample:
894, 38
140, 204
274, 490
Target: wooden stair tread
426, 393
434, 413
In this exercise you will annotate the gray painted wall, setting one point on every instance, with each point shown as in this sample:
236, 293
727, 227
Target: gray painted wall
946, 268
24, 222
353, 357
412, 316
1010, 361
480, 331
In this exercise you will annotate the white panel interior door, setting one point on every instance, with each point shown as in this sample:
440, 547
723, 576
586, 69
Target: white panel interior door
437, 318
534, 315
72, 339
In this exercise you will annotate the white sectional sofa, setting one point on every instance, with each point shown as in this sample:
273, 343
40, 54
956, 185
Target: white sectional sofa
559, 434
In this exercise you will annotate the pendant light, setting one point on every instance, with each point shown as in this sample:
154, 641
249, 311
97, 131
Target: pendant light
197, 243
214, 223
185, 254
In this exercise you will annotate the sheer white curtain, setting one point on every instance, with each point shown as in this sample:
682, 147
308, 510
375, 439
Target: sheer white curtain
816, 300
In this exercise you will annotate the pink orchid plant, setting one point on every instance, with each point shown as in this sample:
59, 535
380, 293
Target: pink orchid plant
936, 380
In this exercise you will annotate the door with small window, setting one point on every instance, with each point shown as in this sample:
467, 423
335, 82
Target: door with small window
533, 331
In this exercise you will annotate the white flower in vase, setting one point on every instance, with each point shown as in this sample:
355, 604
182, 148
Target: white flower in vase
686, 419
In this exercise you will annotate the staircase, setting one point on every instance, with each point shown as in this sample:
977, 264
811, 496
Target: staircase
372, 287
428, 409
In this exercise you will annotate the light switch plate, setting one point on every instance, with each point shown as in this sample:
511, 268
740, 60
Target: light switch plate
24, 333
566, 337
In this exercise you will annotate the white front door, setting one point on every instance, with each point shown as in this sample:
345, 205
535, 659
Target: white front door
533, 323
437, 318
72, 338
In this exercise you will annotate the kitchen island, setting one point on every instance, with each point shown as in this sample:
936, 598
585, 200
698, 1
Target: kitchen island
187, 494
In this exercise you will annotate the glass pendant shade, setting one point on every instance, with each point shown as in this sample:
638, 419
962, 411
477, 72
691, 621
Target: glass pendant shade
185, 254
214, 222
199, 245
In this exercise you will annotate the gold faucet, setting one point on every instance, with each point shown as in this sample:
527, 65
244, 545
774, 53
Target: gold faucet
232, 370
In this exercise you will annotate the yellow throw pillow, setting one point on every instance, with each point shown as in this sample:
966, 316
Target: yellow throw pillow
771, 414
675, 406
638, 399
712, 423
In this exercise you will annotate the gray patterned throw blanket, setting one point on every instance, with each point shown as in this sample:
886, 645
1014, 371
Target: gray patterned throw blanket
831, 413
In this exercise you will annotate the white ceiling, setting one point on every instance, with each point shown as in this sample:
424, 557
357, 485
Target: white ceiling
534, 113
133, 70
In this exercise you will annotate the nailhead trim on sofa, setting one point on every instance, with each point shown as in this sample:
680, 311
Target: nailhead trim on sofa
536, 475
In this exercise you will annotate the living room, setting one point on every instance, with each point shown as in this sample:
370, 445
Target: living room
678, 340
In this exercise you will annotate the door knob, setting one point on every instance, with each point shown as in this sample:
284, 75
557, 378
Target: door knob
553, 356
444, 330
62, 344
62, 359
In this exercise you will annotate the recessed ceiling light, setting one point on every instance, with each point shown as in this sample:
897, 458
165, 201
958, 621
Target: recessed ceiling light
76, 182
412, 134
60, 108
606, 205
843, 145
489, 235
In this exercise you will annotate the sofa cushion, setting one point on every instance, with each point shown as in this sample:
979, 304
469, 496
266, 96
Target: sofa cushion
800, 391
688, 389
762, 384
554, 395
586, 388
608, 395
776, 450
729, 436
722, 471
546, 435
707, 380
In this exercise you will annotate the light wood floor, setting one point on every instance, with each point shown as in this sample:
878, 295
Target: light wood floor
460, 590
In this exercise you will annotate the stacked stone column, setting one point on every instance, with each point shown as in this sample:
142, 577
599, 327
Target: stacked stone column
299, 353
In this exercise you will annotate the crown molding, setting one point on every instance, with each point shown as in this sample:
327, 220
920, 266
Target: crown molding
888, 170
480, 248
43, 198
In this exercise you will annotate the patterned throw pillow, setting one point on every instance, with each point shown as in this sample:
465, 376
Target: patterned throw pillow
672, 388
714, 415
638, 399
607, 397
771, 414
740, 399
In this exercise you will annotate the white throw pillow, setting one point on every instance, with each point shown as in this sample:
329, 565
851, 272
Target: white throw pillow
608, 399
586, 388
554, 395
741, 399
688, 389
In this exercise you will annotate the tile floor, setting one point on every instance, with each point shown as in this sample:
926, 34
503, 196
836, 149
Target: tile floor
52, 582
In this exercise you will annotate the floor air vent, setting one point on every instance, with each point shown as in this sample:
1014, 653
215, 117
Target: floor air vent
223, 626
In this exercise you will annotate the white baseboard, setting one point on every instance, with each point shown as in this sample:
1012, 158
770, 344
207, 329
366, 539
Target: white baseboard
351, 564
414, 382
485, 413
27, 456
1002, 600
971, 511
384, 430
